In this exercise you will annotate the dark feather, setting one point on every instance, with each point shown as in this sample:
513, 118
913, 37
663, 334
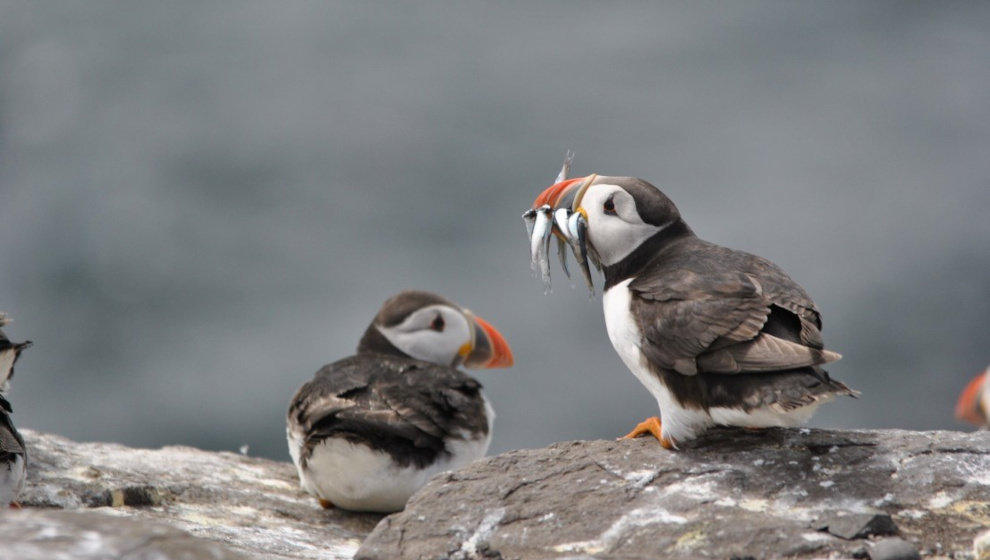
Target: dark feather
404, 407
11, 442
705, 308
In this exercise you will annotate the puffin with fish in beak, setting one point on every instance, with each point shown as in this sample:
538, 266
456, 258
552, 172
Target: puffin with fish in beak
717, 336
369, 430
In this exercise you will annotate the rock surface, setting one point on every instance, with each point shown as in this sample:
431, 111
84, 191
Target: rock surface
734, 493
174, 502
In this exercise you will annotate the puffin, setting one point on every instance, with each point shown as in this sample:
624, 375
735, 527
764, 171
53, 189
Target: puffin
370, 429
974, 401
13, 455
718, 336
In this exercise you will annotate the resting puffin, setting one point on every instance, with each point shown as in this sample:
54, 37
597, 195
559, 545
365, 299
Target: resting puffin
369, 430
13, 456
718, 336
974, 401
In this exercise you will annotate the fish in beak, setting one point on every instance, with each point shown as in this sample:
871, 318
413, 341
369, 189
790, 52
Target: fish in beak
557, 211
488, 348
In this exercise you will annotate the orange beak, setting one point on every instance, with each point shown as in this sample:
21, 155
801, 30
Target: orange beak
969, 408
489, 348
565, 194
552, 195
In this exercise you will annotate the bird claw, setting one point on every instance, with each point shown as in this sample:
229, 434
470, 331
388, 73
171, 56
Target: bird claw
653, 427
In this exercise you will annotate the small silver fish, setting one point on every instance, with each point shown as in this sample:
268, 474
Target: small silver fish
560, 224
571, 228
576, 229
529, 218
539, 243
562, 255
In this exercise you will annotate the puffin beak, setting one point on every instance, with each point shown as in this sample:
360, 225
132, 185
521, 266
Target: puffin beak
553, 194
488, 348
558, 210
579, 194
969, 407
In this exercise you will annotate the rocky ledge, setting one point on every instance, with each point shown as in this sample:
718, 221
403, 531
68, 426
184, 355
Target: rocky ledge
732, 494
169, 503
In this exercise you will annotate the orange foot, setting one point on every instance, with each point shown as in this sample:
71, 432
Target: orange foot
650, 426
325, 504
15, 505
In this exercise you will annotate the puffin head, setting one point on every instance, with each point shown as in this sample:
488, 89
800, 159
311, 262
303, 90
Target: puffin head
603, 220
9, 353
427, 327
974, 401
621, 213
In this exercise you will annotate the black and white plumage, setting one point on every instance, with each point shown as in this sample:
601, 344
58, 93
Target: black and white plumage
718, 336
13, 455
369, 430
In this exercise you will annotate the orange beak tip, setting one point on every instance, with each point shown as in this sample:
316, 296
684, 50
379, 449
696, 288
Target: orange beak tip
501, 353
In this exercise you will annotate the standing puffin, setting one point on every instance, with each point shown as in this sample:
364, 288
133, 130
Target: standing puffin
974, 401
13, 456
369, 430
718, 336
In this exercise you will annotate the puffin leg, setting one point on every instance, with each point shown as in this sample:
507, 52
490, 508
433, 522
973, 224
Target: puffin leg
650, 426
325, 504
15, 505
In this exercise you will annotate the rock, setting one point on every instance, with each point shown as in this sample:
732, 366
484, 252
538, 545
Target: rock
894, 549
174, 502
858, 525
981, 546
732, 493
97, 536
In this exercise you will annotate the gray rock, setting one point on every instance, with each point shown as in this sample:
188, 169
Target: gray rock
894, 549
981, 546
179, 502
76, 535
733, 493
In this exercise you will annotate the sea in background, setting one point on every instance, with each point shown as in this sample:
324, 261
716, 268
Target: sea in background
201, 203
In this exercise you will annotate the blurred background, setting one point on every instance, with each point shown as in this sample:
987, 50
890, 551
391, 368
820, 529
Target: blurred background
202, 203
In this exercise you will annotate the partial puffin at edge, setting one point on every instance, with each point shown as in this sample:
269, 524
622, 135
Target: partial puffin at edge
13, 454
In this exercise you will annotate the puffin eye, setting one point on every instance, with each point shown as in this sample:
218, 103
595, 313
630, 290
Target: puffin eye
437, 324
609, 206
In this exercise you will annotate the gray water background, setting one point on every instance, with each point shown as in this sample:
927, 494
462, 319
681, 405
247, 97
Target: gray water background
202, 202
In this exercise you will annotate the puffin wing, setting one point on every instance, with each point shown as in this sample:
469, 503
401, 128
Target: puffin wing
718, 321
11, 442
785, 293
407, 407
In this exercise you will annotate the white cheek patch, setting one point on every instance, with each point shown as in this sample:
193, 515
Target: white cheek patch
614, 237
415, 338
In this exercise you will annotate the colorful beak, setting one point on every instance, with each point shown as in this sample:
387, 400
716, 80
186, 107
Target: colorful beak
970, 407
557, 210
553, 194
489, 348
565, 194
